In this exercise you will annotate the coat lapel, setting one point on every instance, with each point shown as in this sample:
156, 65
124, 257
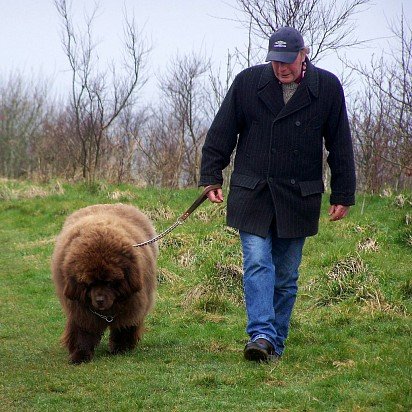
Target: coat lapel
302, 97
299, 100
270, 92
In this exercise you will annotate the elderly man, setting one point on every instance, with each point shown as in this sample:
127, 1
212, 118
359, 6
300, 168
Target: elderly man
277, 116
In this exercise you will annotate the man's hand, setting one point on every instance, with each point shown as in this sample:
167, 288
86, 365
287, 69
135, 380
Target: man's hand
215, 195
338, 212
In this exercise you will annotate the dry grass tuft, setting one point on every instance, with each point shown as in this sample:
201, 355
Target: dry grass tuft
387, 192
210, 212
231, 232
229, 275
202, 215
35, 191
30, 192
349, 363
368, 245
350, 278
377, 305
7, 194
222, 286
160, 213
57, 189
409, 239
225, 236
407, 230
121, 195
176, 240
27, 193
35, 243
186, 259
166, 276
401, 201
406, 289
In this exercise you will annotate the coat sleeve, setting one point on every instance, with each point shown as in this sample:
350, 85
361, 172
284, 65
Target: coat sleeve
221, 138
338, 143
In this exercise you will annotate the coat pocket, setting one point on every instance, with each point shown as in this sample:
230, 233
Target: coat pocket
315, 123
311, 187
248, 182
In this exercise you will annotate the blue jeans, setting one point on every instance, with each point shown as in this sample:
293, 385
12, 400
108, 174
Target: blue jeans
270, 267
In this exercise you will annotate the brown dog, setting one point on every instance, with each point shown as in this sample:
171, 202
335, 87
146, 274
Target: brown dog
101, 280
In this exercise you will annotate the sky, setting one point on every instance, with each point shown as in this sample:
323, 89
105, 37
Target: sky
30, 34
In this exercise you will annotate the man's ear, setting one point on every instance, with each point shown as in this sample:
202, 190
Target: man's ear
74, 290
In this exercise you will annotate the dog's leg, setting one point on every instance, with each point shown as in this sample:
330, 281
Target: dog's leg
80, 343
124, 339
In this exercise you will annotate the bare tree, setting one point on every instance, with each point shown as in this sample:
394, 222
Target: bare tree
388, 85
370, 113
184, 93
158, 157
98, 97
219, 84
124, 159
22, 110
326, 25
53, 154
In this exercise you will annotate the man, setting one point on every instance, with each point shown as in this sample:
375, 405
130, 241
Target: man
277, 116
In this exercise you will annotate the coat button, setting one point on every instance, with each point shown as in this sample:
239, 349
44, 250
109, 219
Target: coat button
297, 123
270, 179
293, 181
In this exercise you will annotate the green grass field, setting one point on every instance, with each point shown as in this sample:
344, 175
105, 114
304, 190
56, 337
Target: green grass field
349, 347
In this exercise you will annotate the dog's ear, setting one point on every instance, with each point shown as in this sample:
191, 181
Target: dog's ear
134, 279
130, 284
74, 290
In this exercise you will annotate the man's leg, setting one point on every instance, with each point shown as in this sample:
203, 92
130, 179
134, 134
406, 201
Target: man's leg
259, 284
287, 255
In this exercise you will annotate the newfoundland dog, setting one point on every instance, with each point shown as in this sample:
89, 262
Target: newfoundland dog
102, 281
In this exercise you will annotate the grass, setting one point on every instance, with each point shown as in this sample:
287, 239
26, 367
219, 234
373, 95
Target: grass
349, 347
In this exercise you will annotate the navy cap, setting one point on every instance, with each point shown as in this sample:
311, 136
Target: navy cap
284, 45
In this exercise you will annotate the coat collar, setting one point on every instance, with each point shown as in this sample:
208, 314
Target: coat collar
270, 91
311, 78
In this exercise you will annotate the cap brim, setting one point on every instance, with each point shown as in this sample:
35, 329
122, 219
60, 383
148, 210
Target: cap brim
284, 57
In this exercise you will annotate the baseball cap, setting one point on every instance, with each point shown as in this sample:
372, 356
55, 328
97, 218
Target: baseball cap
284, 45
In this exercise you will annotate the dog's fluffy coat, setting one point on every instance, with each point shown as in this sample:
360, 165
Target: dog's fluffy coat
97, 272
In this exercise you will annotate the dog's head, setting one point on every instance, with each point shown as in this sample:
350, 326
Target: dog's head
102, 273
101, 294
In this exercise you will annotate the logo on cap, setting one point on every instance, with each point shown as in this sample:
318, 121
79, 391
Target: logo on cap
279, 43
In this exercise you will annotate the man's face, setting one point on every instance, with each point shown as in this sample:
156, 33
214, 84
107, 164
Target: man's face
289, 72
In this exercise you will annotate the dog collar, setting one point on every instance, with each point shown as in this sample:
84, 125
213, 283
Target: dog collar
107, 318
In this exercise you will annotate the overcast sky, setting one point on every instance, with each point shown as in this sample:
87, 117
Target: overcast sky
30, 41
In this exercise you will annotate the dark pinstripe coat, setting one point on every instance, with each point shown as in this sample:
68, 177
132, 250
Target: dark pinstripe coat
278, 163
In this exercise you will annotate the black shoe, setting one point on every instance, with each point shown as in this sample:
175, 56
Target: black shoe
260, 351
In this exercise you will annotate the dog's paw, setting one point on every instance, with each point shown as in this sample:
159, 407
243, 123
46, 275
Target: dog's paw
80, 356
124, 339
119, 349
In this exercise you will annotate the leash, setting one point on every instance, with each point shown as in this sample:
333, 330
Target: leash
183, 217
